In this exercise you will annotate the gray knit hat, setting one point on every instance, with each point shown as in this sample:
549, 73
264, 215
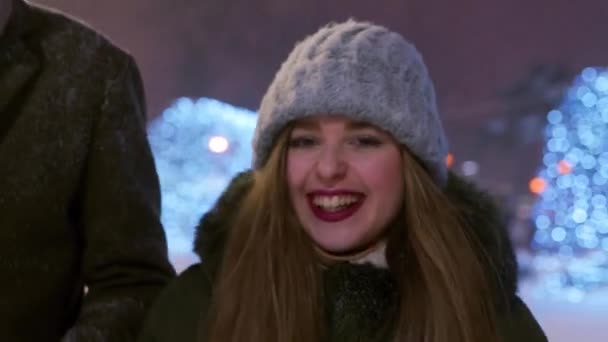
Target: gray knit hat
365, 72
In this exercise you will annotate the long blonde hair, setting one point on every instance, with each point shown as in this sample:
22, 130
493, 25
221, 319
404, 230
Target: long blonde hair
270, 287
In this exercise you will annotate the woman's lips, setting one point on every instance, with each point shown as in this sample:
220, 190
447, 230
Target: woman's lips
339, 214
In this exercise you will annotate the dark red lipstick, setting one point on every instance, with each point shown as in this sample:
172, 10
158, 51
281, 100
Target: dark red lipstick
338, 215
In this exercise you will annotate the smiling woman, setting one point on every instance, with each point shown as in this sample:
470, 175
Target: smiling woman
349, 228
345, 182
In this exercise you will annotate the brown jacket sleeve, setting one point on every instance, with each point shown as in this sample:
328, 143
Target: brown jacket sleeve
125, 260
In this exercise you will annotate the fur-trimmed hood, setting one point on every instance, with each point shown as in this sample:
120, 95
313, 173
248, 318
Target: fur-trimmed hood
475, 206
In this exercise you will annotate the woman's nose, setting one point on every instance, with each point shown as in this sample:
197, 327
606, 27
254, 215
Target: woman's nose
331, 164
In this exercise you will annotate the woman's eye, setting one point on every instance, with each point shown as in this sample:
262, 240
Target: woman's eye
299, 142
367, 141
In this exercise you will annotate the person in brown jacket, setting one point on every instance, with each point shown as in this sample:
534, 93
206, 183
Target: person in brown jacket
82, 249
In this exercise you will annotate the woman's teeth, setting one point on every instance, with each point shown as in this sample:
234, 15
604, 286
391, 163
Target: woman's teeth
334, 203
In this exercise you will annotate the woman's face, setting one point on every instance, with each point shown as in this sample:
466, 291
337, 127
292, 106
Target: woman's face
345, 181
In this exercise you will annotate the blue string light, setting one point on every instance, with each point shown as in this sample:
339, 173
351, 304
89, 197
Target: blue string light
571, 215
198, 146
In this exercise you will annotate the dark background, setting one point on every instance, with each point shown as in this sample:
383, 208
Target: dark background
498, 66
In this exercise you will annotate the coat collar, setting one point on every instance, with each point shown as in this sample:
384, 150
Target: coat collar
476, 207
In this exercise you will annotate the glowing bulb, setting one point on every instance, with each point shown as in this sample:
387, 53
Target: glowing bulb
537, 185
449, 160
218, 144
564, 167
470, 168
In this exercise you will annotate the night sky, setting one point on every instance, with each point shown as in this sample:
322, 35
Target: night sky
476, 50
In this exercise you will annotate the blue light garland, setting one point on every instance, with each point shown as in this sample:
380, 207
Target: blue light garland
198, 145
571, 215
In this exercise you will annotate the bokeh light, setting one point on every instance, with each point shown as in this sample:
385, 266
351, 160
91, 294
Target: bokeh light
571, 216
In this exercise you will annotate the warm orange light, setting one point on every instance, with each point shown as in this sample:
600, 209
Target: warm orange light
564, 167
449, 160
537, 185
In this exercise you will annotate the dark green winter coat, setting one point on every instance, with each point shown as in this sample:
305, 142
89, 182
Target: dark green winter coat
79, 195
359, 297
